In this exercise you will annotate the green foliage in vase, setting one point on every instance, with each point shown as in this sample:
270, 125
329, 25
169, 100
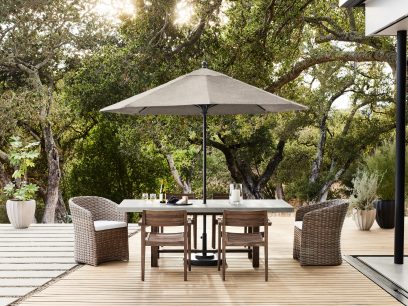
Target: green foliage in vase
21, 158
365, 185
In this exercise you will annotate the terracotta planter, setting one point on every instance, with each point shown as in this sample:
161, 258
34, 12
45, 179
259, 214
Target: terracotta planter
20, 213
385, 213
364, 219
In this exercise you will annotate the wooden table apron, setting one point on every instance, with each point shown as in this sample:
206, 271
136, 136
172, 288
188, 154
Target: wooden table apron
213, 207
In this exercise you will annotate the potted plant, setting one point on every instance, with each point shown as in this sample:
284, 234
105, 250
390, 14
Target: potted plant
365, 186
383, 161
21, 205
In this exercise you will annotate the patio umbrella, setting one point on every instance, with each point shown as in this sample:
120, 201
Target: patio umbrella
203, 92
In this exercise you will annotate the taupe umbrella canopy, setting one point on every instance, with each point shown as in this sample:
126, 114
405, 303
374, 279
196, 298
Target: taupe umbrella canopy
186, 94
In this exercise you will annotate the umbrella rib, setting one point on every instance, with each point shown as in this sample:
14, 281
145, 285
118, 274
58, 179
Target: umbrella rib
261, 107
142, 110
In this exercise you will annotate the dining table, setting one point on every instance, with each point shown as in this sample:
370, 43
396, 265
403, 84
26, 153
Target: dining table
212, 207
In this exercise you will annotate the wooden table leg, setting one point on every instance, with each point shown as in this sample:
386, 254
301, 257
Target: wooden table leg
255, 250
154, 256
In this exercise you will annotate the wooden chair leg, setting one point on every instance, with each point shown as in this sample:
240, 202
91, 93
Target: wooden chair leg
189, 248
250, 250
266, 262
143, 259
219, 247
185, 260
213, 229
224, 261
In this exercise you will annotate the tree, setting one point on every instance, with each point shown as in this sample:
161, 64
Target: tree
40, 41
289, 41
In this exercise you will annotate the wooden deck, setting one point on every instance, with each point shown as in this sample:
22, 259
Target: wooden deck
30, 258
119, 283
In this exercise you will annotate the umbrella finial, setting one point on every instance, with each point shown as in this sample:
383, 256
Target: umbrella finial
204, 64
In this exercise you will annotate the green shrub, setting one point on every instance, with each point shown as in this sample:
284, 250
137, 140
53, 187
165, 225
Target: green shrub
382, 161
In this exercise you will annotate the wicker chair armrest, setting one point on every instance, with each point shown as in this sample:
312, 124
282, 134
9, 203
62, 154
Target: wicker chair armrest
110, 211
332, 216
81, 217
302, 211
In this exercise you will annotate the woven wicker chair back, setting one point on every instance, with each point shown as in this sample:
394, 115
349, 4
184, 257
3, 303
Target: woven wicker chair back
100, 208
164, 218
245, 218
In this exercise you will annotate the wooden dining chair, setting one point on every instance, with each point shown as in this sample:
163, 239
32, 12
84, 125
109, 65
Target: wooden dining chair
191, 196
218, 196
155, 219
251, 219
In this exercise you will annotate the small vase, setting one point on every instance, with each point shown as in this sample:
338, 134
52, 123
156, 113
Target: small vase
20, 213
364, 219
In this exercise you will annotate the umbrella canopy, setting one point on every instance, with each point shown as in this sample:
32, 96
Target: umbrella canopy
187, 94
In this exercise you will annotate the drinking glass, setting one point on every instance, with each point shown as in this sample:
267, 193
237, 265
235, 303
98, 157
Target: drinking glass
153, 197
145, 196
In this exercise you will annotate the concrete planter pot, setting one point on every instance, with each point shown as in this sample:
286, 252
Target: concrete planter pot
385, 213
20, 213
364, 219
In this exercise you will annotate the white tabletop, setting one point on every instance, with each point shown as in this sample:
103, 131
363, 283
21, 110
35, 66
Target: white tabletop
212, 206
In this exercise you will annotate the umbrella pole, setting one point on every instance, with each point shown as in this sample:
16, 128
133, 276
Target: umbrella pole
204, 109
204, 259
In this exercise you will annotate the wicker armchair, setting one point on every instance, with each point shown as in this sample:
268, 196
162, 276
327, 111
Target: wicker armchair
317, 233
101, 232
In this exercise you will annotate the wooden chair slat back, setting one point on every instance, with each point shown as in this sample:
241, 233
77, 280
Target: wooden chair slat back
164, 218
224, 196
191, 196
245, 218
220, 196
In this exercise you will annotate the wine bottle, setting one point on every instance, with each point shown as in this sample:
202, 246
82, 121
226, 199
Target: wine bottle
161, 194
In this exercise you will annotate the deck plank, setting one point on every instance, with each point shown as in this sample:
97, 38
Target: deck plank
6, 301
118, 283
30, 258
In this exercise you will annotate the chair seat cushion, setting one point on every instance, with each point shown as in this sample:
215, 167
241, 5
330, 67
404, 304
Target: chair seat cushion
165, 239
102, 225
245, 239
298, 224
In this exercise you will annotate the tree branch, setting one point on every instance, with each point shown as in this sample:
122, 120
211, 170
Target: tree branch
298, 68
272, 164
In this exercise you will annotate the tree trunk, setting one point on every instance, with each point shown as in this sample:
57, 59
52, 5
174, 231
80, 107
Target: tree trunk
279, 191
317, 162
54, 175
185, 185
61, 210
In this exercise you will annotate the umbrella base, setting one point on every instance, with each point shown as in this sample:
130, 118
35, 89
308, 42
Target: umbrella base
204, 260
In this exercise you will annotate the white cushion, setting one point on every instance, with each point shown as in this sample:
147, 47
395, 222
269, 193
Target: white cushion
298, 224
102, 225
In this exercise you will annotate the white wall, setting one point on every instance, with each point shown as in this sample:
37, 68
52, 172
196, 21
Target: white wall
381, 15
